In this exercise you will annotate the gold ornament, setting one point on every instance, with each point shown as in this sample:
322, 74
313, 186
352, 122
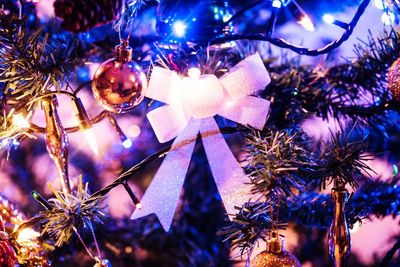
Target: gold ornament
56, 140
29, 249
119, 84
275, 255
339, 234
394, 79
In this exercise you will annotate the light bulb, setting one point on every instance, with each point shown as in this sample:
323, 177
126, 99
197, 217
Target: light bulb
306, 23
26, 235
15, 142
328, 19
139, 205
20, 121
179, 28
276, 3
127, 143
91, 139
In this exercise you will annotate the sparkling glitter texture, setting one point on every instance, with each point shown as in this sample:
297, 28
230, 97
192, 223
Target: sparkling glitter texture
394, 79
269, 259
191, 105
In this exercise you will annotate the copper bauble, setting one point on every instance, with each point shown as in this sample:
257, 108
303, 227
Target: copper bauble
275, 255
394, 79
119, 84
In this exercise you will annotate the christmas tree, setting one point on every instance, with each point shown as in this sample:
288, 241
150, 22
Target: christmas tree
199, 133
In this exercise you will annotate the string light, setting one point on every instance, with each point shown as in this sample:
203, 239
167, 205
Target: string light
20, 121
127, 143
179, 28
86, 126
132, 195
279, 42
276, 4
301, 16
328, 19
306, 23
387, 18
91, 139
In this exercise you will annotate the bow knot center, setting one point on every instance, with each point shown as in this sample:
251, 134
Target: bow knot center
202, 97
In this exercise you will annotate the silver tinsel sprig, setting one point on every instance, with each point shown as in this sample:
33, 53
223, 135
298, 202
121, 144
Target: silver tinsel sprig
68, 213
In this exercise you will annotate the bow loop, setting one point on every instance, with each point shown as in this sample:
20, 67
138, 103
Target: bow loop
246, 78
163, 86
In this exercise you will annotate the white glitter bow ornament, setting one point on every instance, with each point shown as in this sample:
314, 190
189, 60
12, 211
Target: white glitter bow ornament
191, 104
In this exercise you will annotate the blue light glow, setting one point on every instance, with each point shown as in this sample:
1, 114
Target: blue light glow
179, 28
127, 143
328, 19
276, 3
15, 142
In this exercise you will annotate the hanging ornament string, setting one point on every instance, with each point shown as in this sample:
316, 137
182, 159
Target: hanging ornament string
123, 25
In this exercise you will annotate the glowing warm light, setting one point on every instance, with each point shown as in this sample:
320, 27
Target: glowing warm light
194, 73
20, 121
276, 3
27, 235
387, 18
127, 143
139, 205
307, 24
91, 139
328, 19
179, 28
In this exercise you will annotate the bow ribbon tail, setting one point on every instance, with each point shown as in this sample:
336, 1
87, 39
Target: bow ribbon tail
162, 196
229, 176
